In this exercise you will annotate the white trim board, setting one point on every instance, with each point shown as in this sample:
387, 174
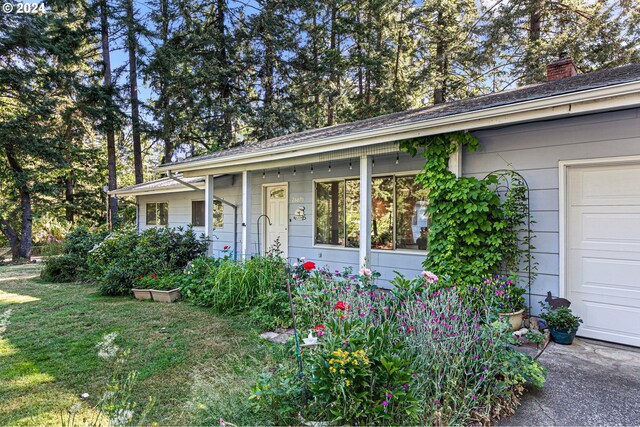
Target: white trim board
563, 167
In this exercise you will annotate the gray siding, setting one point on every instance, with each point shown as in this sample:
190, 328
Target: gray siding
534, 150
301, 232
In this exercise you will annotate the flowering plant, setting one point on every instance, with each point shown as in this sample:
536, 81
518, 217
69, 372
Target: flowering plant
502, 295
164, 281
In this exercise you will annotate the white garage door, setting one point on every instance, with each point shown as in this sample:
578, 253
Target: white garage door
603, 250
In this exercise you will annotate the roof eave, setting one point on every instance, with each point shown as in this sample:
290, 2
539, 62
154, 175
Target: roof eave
605, 98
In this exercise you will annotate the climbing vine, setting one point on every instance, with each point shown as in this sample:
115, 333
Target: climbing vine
473, 234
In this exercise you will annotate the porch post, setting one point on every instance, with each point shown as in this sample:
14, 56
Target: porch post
246, 214
365, 211
455, 162
208, 212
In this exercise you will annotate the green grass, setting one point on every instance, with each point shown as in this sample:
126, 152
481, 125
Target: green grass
197, 365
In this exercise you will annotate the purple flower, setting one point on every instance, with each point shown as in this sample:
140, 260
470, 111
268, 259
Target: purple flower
389, 395
385, 403
404, 386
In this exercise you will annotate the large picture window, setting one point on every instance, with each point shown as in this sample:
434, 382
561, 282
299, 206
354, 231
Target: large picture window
198, 213
398, 213
157, 213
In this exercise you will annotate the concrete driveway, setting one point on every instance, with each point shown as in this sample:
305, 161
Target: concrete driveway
588, 383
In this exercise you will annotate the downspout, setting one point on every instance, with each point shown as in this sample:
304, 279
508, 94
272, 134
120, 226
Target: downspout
235, 211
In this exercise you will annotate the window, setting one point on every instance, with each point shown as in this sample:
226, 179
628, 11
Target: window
398, 213
157, 213
412, 223
198, 213
330, 213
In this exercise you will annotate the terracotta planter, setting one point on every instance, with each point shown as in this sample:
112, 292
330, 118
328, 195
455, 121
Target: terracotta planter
166, 296
514, 318
141, 294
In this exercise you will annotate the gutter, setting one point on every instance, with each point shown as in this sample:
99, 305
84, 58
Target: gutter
582, 102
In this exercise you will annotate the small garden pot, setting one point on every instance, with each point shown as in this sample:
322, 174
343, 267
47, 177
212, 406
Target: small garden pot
562, 337
166, 296
514, 318
141, 294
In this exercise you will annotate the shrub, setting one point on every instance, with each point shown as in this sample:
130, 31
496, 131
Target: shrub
231, 286
72, 265
124, 256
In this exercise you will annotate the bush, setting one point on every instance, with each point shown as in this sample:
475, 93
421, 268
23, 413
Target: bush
230, 286
72, 265
119, 261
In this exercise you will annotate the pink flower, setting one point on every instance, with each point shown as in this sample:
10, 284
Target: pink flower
365, 272
389, 395
429, 277
385, 403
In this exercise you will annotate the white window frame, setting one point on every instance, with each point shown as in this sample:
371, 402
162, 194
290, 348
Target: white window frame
146, 214
357, 177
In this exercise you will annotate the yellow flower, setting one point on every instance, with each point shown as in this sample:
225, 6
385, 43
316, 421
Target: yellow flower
342, 371
355, 362
332, 369
347, 383
331, 361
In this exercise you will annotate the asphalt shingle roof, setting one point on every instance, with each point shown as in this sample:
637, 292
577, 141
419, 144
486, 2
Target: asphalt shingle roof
581, 82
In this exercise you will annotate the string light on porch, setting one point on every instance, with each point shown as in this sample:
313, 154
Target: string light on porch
294, 171
311, 169
329, 166
397, 158
350, 165
264, 174
278, 172
373, 162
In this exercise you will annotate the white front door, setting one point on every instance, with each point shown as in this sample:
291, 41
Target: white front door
277, 210
603, 250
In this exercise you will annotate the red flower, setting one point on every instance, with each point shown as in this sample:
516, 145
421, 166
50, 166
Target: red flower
225, 247
319, 328
140, 276
341, 305
309, 265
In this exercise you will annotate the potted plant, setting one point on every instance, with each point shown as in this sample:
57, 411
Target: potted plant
141, 290
562, 323
505, 298
141, 294
162, 288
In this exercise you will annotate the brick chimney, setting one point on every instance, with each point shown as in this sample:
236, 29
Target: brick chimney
561, 68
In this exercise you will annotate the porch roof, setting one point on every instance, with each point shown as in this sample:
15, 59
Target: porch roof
162, 185
496, 109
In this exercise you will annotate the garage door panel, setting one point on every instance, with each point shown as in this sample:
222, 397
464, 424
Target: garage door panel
606, 185
609, 322
603, 243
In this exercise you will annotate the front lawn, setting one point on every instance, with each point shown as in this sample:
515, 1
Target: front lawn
197, 365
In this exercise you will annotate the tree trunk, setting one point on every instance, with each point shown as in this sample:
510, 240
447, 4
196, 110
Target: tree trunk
112, 183
163, 98
333, 49
69, 197
132, 48
11, 236
225, 83
22, 246
535, 17
269, 61
439, 91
